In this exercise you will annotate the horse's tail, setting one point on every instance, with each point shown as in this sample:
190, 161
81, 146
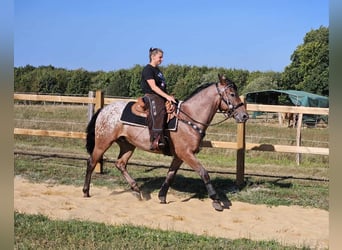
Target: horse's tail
91, 133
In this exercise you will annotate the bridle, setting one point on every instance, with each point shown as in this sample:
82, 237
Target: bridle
228, 114
231, 108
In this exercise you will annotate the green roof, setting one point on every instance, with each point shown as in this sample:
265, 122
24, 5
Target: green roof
294, 97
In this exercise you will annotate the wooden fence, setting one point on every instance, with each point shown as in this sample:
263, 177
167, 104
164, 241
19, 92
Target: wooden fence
96, 101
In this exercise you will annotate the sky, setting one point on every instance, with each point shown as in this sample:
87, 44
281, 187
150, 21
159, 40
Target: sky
110, 35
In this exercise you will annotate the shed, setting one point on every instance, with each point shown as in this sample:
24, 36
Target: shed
290, 98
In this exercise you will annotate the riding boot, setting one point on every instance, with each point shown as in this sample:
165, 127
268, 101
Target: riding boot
155, 120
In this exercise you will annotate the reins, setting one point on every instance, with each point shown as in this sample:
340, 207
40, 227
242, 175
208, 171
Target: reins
227, 115
201, 123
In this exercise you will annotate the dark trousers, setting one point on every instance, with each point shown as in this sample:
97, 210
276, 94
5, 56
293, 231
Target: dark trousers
156, 116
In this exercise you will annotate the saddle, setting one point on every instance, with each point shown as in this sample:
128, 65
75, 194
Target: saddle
139, 109
135, 114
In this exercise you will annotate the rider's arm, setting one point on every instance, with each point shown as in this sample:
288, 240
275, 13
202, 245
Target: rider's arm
158, 91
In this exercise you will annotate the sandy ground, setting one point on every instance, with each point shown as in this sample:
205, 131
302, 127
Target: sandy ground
289, 225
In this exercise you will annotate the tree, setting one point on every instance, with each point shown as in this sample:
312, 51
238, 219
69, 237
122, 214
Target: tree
309, 69
99, 81
211, 76
24, 78
189, 83
172, 74
79, 82
135, 79
47, 82
239, 77
119, 83
263, 82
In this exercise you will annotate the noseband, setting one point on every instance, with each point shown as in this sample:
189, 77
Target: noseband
231, 108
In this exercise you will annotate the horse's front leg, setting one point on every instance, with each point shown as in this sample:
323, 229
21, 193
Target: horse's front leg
192, 161
175, 164
210, 189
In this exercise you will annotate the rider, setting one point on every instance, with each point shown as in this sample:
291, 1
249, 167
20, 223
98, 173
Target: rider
154, 88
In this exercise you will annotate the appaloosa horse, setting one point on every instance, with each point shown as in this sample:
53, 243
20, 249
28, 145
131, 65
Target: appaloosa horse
194, 116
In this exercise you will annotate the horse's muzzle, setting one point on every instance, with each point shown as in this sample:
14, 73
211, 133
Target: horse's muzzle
241, 117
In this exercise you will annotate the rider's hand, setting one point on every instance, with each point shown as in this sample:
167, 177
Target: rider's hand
171, 99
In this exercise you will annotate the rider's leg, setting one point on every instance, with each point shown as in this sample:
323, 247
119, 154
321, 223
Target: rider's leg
155, 120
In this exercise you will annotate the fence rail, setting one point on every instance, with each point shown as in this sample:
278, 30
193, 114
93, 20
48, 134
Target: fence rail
98, 100
288, 109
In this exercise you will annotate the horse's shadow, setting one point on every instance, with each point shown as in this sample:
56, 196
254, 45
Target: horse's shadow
193, 187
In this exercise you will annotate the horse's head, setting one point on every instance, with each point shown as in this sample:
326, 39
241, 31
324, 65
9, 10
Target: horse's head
230, 102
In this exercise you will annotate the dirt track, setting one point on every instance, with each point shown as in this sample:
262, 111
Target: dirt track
289, 225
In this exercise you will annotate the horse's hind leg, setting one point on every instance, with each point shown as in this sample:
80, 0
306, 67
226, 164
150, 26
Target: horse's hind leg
126, 151
94, 158
176, 163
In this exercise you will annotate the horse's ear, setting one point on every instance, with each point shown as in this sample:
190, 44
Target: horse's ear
222, 79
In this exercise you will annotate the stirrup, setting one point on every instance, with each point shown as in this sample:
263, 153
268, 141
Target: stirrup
156, 144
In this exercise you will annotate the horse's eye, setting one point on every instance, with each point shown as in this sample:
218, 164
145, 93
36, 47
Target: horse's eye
232, 94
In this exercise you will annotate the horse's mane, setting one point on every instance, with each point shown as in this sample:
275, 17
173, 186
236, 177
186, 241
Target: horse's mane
205, 85
199, 89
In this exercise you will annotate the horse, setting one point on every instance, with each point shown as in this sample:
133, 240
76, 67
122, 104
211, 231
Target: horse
194, 116
291, 117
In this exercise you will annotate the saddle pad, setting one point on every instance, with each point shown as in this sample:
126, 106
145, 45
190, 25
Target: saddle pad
127, 117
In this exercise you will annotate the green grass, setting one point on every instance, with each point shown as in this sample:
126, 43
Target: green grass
39, 232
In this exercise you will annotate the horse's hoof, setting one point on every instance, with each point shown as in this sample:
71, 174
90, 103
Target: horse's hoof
137, 195
217, 205
162, 199
226, 204
146, 195
86, 195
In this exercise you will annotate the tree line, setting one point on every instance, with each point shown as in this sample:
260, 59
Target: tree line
308, 71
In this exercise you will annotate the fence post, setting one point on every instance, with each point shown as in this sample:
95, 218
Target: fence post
241, 148
299, 137
99, 103
90, 105
280, 119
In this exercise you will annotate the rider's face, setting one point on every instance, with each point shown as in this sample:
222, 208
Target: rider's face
157, 58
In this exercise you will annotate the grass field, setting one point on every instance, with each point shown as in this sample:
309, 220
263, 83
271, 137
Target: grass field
38, 232
271, 178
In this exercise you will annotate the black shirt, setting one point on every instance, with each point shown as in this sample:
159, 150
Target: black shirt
150, 72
